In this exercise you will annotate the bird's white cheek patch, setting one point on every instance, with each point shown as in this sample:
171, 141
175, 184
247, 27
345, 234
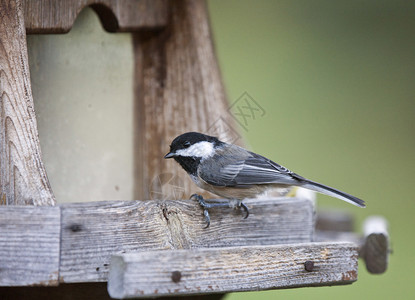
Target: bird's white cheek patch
201, 149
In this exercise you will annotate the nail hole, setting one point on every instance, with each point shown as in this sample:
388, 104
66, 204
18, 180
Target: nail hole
176, 276
75, 227
309, 266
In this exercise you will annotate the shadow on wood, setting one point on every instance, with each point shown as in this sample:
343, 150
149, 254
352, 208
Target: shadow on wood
78, 291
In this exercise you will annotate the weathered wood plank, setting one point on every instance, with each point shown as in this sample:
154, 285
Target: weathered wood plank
334, 220
29, 245
183, 272
336, 226
373, 244
93, 232
23, 177
51, 16
178, 89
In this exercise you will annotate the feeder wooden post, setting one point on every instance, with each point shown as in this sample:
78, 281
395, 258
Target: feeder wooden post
178, 89
23, 177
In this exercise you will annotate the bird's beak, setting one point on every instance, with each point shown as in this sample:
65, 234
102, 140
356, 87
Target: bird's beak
170, 155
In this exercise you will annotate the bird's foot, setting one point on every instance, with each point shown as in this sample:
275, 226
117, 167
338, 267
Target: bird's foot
207, 206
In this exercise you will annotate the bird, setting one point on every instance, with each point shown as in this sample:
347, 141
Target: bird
232, 172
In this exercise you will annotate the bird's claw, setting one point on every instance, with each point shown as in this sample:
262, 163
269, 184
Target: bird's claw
206, 206
245, 208
207, 217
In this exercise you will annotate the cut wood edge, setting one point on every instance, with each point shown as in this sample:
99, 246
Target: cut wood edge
374, 244
375, 250
231, 269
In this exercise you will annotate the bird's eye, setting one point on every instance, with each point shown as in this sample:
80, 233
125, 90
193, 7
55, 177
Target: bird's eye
186, 144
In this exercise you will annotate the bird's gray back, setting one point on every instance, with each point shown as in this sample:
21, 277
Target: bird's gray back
234, 166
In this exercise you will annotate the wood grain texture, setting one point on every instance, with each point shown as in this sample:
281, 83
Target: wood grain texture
183, 272
93, 232
23, 177
51, 16
178, 89
29, 245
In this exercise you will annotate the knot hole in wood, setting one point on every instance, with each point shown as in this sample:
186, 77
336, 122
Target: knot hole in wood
176, 221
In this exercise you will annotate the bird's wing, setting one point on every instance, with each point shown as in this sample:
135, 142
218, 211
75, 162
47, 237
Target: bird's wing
236, 167
244, 170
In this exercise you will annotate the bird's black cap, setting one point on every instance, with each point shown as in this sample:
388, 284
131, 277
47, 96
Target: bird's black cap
187, 139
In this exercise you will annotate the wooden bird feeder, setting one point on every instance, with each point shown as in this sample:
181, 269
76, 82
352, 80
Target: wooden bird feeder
151, 248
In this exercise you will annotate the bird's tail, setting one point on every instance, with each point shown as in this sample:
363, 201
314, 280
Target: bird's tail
324, 189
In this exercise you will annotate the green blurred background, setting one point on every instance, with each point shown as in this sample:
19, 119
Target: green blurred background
336, 79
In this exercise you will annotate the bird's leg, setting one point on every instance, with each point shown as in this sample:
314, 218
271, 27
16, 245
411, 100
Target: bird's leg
206, 206
203, 204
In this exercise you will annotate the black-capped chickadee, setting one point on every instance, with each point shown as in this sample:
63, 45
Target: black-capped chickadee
235, 173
